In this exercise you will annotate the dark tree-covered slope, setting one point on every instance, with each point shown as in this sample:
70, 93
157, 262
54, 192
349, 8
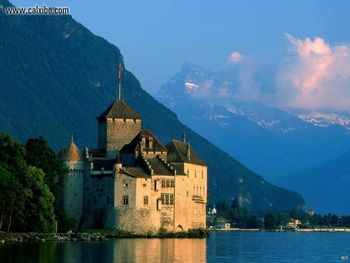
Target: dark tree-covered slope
56, 77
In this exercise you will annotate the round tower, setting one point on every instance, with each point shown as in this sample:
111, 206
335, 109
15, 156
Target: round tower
73, 182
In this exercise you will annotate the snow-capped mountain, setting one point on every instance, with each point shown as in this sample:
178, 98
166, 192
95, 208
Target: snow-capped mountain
326, 119
271, 141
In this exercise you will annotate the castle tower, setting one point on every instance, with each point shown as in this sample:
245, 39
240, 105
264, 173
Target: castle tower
73, 182
117, 126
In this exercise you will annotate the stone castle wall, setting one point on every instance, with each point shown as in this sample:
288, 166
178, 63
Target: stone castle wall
73, 194
110, 136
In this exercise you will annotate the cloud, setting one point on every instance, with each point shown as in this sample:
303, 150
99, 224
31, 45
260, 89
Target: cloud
235, 57
315, 75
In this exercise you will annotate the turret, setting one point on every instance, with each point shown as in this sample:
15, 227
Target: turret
118, 163
73, 182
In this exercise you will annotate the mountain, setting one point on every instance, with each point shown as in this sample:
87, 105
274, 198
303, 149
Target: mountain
56, 77
325, 118
273, 142
325, 187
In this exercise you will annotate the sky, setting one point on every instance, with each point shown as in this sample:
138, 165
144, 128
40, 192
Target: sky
307, 40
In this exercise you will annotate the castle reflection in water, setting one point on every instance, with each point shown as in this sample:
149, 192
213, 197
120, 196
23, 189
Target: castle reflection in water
133, 250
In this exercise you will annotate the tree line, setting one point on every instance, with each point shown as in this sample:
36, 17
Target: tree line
30, 193
241, 218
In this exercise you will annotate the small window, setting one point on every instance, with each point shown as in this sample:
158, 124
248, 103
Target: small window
167, 183
125, 200
171, 199
156, 185
172, 183
124, 120
125, 183
144, 185
162, 198
145, 200
166, 199
163, 183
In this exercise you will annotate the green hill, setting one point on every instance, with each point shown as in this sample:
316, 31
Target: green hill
56, 77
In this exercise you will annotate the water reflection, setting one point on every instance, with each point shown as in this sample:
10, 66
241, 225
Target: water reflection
123, 250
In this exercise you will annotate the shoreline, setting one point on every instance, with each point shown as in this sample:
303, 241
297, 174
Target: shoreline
302, 230
94, 236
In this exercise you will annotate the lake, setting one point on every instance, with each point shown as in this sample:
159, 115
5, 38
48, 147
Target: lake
220, 247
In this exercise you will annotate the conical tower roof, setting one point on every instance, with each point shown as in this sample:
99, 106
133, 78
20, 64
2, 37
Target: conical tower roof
71, 153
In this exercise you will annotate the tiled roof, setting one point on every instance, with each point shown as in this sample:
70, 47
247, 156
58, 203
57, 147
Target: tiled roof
136, 172
132, 146
71, 153
98, 153
103, 164
158, 167
177, 152
119, 109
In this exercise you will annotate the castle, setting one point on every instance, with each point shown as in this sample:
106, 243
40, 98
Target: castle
132, 181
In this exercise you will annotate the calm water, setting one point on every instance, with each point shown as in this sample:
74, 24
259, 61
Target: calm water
220, 247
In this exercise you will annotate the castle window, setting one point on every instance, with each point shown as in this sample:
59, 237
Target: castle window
172, 183
171, 199
145, 200
156, 185
163, 182
124, 120
167, 199
167, 183
134, 120
125, 183
144, 185
125, 200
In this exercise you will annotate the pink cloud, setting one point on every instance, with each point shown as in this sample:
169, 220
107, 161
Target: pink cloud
315, 75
